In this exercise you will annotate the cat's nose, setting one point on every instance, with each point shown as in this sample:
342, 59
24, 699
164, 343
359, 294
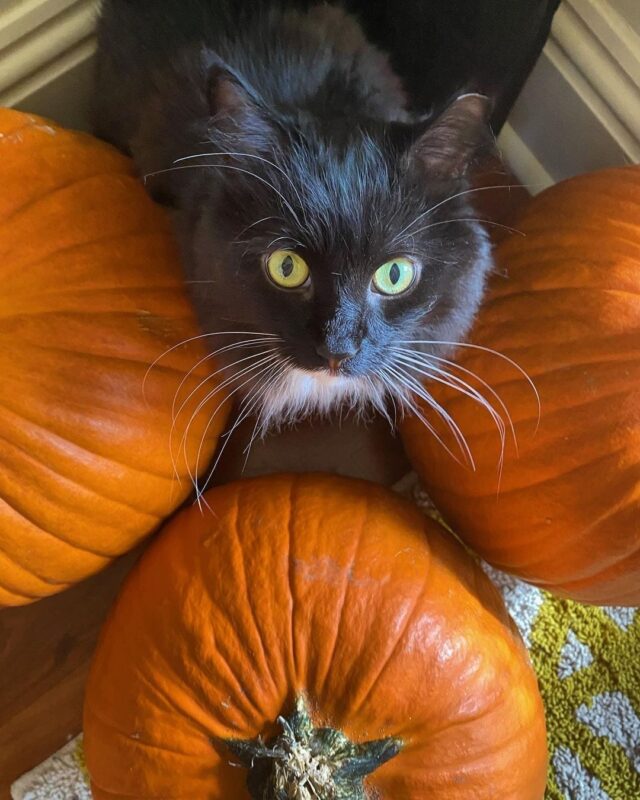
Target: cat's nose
335, 360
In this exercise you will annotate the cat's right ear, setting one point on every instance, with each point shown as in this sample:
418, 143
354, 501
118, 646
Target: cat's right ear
450, 143
236, 112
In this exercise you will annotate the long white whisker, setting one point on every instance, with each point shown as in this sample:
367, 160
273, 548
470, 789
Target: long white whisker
414, 386
426, 359
287, 204
248, 155
267, 385
388, 391
408, 403
247, 370
468, 219
273, 373
223, 402
227, 436
439, 376
461, 194
193, 339
247, 343
496, 353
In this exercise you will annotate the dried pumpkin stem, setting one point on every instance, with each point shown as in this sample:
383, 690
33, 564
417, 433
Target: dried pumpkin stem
307, 763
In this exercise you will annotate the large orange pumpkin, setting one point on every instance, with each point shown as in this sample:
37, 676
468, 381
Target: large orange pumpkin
322, 595
565, 305
91, 297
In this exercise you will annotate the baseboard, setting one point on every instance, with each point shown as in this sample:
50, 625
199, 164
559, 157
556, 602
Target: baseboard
580, 108
522, 160
46, 48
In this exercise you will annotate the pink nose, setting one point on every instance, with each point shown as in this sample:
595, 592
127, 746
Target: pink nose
334, 360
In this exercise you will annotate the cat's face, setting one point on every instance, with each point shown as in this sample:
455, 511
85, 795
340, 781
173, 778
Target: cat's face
327, 258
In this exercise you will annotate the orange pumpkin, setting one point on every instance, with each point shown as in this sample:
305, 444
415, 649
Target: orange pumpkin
91, 297
566, 512
311, 601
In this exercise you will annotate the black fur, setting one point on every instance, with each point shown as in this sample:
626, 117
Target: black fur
340, 171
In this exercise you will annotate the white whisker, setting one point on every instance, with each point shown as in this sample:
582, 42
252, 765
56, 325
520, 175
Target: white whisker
404, 377
405, 392
193, 339
227, 436
247, 343
426, 359
457, 384
248, 155
286, 203
488, 350
468, 219
460, 194
182, 445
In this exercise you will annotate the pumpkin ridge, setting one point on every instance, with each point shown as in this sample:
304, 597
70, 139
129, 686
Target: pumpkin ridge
12, 558
76, 482
174, 704
340, 611
39, 529
107, 358
523, 420
290, 564
248, 594
592, 570
134, 312
7, 587
91, 452
539, 483
573, 291
615, 598
231, 677
169, 288
138, 741
356, 707
90, 242
73, 181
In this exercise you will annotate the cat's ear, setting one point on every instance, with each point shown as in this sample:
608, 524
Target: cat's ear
235, 111
448, 146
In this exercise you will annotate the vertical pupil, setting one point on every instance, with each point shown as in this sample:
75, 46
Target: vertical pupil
394, 273
287, 267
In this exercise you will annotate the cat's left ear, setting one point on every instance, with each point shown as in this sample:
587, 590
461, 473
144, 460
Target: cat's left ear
452, 140
236, 112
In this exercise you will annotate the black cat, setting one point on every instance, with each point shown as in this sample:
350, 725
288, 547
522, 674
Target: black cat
328, 238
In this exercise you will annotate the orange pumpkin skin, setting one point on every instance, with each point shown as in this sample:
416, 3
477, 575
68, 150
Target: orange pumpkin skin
91, 296
328, 587
567, 516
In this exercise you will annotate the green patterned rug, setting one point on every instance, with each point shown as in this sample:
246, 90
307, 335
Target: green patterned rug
588, 663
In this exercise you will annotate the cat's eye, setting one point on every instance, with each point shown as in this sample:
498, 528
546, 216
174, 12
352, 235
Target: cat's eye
287, 269
394, 277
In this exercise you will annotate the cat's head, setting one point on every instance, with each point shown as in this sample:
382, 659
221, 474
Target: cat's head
329, 249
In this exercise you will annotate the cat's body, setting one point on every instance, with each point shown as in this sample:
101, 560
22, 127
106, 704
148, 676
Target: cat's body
282, 138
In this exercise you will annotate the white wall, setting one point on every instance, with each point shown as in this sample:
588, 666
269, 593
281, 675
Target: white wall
580, 109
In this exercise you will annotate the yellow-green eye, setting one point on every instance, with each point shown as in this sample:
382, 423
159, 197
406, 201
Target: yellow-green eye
287, 269
395, 276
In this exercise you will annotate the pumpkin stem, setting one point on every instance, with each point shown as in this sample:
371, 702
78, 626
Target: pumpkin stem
307, 763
